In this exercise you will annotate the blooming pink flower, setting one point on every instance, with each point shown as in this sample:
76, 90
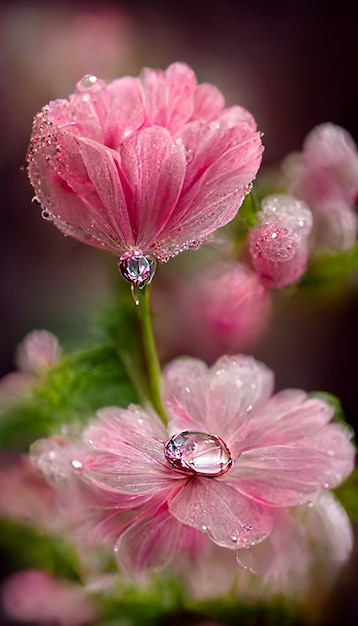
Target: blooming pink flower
143, 165
35, 596
230, 455
221, 309
279, 245
325, 175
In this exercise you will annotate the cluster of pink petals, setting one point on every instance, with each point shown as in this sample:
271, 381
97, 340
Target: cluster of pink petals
325, 175
221, 309
39, 351
303, 555
154, 163
285, 450
279, 246
39, 598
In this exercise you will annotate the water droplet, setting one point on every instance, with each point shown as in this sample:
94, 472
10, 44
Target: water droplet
46, 215
198, 453
234, 538
76, 464
87, 82
138, 269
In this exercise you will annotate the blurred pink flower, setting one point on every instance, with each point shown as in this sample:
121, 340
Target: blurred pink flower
325, 175
38, 597
279, 245
25, 496
143, 165
37, 352
231, 454
221, 309
303, 555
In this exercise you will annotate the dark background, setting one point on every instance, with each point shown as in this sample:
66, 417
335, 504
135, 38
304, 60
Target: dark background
292, 63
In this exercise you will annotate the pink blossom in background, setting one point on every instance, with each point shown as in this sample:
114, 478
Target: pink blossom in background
325, 175
220, 309
25, 495
38, 351
152, 164
231, 455
279, 246
38, 597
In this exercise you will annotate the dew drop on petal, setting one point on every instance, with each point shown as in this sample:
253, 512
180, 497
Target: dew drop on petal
87, 82
198, 453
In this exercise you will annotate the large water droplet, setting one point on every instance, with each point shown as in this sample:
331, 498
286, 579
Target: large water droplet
87, 82
198, 453
138, 269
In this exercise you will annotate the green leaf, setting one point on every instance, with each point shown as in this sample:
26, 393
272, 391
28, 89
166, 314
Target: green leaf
23, 547
331, 271
347, 494
71, 392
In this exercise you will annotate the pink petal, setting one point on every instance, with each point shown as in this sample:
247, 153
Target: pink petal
306, 548
78, 117
289, 475
135, 427
222, 165
153, 165
86, 203
238, 385
155, 540
216, 400
212, 506
169, 95
185, 393
208, 102
285, 418
128, 452
123, 110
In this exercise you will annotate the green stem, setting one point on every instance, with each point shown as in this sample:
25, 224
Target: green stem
150, 353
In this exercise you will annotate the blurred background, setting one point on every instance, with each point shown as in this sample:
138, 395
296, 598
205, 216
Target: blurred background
292, 63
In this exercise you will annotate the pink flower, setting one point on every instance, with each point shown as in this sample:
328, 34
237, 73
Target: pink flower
148, 165
38, 597
37, 352
220, 309
25, 496
325, 175
231, 455
279, 245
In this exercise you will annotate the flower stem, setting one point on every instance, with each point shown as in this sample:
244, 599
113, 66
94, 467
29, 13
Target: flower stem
151, 355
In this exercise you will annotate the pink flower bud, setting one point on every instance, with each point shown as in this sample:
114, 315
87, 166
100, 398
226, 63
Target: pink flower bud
279, 245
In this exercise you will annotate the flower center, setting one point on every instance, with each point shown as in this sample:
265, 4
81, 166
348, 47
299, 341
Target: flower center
198, 453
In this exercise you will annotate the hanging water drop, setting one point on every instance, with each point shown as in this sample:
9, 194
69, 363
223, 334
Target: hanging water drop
138, 269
